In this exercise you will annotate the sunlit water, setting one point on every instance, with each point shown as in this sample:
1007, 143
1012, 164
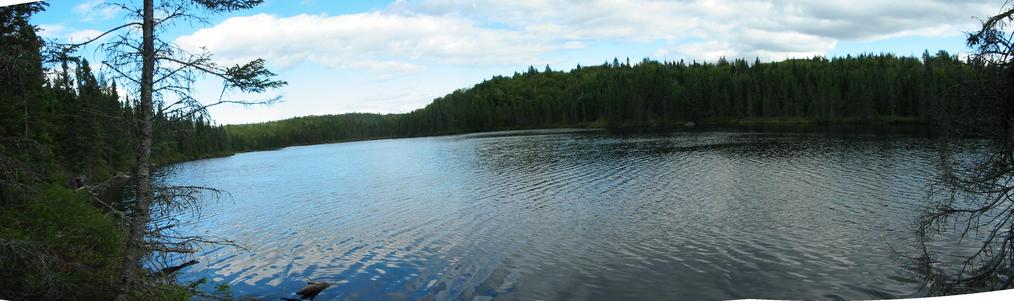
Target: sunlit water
560, 215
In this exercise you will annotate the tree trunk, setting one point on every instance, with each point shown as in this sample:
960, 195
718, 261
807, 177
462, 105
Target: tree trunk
24, 103
139, 219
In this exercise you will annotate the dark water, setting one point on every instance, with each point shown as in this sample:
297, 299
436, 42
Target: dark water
571, 216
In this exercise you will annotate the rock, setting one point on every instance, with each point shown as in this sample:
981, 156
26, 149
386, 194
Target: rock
312, 289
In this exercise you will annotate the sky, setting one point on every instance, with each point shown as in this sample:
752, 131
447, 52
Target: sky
342, 56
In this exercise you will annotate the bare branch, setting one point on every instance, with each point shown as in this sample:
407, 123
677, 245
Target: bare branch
166, 249
70, 47
170, 270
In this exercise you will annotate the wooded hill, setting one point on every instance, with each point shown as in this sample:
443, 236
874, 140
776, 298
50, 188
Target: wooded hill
880, 88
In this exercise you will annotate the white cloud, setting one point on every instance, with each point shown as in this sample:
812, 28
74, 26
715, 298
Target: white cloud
51, 31
400, 57
709, 51
385, 70
770, 29
67, 34
79, 36
96, 10
379, 41
409, 35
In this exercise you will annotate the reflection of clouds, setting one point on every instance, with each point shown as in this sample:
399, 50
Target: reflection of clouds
552, 214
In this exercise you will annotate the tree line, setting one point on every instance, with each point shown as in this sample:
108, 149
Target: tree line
84, 127
859, 89
66, 133
63, 126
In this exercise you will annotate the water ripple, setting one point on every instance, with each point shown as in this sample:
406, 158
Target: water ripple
569, 215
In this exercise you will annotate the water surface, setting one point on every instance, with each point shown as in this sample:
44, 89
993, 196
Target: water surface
559, 215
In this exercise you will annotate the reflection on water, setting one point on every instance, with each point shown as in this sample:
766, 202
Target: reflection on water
570, 216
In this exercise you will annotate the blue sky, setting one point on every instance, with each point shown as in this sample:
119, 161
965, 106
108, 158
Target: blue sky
395, 56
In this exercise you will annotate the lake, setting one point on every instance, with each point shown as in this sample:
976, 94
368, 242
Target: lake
571, 215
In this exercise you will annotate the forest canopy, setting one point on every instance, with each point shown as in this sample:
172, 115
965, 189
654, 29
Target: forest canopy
881, 88
65, 127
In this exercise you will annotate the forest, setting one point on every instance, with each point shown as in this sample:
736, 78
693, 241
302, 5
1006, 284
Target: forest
79, 122
64, 127
63, 131
871, 88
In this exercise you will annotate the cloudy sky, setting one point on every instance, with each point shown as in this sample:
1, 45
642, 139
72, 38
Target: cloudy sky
391, 57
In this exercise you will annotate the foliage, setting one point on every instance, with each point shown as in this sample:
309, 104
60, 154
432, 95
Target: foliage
58, 246
56, 243
864, 89
57, 132
161, 76
20, 67
975, 194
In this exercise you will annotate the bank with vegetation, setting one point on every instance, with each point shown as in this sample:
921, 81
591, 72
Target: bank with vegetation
880, 89
65, 135
65, 131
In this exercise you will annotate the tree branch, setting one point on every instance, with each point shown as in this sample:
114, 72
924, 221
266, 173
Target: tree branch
76, 45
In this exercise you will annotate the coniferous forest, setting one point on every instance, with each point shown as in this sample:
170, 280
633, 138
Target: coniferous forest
63, 126
650, 94
63, 129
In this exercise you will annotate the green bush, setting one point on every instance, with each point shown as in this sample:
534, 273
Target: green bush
56, 245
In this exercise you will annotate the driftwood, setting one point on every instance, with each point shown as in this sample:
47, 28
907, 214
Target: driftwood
170, 270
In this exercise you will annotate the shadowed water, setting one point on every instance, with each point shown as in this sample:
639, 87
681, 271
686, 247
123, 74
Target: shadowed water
560, 215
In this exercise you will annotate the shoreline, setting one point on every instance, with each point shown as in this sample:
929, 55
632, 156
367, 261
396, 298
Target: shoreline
906, 124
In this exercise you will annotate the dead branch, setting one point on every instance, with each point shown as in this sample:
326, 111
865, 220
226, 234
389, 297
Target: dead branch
168, 249
173, 269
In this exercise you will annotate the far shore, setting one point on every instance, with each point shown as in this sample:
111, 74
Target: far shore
712, 124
